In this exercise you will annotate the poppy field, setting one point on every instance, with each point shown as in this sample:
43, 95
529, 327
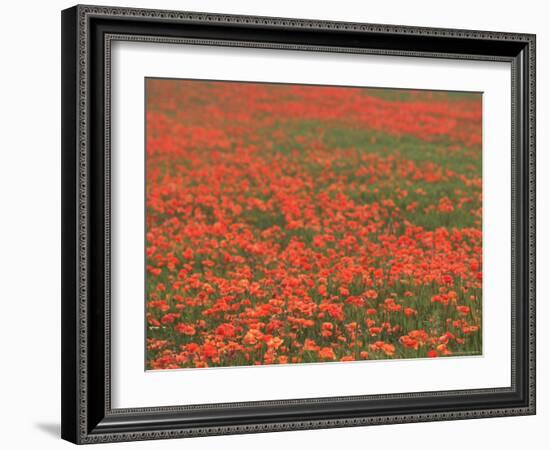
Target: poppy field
301, 224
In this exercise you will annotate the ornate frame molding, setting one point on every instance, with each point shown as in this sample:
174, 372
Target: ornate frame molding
80, 416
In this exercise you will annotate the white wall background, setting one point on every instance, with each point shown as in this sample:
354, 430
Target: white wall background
30, 227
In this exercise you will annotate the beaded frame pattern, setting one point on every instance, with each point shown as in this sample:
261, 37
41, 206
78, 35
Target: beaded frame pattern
84, 13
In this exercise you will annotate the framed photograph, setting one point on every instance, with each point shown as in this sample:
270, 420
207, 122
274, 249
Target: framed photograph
279, 224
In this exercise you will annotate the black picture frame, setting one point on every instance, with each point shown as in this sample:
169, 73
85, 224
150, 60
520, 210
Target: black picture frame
87, 32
